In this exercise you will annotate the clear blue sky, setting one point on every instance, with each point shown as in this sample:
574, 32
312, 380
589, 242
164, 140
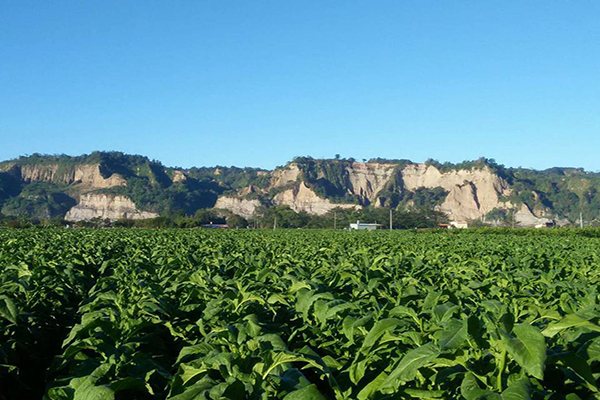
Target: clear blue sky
255, 83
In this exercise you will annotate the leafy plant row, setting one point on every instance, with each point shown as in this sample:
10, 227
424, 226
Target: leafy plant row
179, 315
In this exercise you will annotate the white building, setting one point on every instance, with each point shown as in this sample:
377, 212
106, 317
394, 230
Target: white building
459, 225
361, 226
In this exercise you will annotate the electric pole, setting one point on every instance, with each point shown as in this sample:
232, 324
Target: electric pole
581, 220
514, 217
334, 220
390, 219
275, 223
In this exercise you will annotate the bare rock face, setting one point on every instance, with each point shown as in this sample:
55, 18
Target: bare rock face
86, 174
461, 204
284, 176
106, 206
525, 217
90, 175
472, 193
179, 176
305, 199
239, 206
367, 180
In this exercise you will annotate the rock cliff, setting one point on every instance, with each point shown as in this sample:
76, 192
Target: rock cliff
285, 176
105, 206
86, 174
304, 199
239, 206
472, 190
471, 193
368, 179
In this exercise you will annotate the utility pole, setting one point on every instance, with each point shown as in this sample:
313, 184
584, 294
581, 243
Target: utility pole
390, 219
334, 220
275, 223
581, 220
514, 216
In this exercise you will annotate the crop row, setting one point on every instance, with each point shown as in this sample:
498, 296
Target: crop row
179, 315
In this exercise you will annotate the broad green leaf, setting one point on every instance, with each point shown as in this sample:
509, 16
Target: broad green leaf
407, 368
285, 358
572, 396
8, 310
569, 321
471, 390
528, 349
85, 388
430, 301
377, 331
196, 391
424, 394
454, 334
590, 350
372, 387
581, 368
348, 328
307, 393
518, 390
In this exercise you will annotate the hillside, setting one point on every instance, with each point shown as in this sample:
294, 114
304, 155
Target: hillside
115, 185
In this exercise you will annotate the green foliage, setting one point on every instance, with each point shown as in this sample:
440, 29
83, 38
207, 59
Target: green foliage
39, 200
173, 314
328, 178
566, 192
232, 178
235, 221
424, 197
480, 163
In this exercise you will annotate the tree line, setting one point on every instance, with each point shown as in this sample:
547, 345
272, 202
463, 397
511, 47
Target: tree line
264, 218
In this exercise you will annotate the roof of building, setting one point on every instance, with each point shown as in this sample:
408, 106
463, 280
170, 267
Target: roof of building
366, 224
216, 226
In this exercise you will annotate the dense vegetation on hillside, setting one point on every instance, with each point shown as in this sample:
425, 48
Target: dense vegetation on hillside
567, 192
190, 314
149, 184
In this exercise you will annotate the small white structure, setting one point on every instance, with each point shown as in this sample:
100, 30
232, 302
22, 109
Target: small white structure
361, 226
459, 225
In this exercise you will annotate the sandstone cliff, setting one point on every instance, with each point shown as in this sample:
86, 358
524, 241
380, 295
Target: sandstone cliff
106, 206
178, 176
465, 191
471, 193
305, 199
85, 174
285, 176
368, 179
239, 206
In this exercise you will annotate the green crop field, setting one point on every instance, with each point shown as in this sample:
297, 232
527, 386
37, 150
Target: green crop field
191, 314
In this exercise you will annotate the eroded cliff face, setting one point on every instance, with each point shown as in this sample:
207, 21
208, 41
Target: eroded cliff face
85, 174
178, 176
471, 193
285, 176
368, 179
105, 206
470, 187
239, 206
305, 199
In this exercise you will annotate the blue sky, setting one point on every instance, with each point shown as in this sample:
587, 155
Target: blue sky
255, 83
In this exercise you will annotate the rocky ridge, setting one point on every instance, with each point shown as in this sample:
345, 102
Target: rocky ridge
472, 194
105, 206
116, 185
